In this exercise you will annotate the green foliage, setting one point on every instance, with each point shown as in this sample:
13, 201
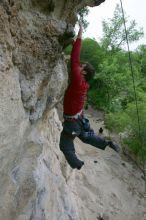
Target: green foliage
140, 58
95, 99
134, 122
137, 139
91, 52
114, 33
113, 80
132, 111
135, 146
68, 50
112, 89
116, 121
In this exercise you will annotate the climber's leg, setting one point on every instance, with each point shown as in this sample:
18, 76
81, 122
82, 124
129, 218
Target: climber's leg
91, 138
88, 136
70, 131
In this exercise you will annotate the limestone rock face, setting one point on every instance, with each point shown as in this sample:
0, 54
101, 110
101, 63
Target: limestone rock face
34, 33
33, 78
35, 181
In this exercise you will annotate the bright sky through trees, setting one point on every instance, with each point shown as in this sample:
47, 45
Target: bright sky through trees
134, 9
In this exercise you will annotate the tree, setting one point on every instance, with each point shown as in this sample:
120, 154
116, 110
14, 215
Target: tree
91, 52
141, 58
114, 33
113, 71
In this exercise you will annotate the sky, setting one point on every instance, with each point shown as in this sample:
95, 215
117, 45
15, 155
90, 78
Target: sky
135, 9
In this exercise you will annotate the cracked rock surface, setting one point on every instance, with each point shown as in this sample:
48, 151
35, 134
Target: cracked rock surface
35, 181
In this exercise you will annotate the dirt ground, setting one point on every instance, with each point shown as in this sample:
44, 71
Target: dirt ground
108, 187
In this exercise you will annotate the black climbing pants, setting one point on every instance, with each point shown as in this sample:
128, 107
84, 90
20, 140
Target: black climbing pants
81, 129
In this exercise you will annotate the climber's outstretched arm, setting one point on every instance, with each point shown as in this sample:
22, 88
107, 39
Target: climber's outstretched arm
75, 58
80, 32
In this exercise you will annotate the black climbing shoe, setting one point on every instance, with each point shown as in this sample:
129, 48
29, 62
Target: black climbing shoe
80, 166
114, 146
72, 159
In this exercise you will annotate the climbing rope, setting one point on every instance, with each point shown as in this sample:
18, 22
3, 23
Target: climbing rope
134, 87
131, 67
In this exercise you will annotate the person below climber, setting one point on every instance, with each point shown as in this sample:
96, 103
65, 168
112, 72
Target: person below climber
75, 124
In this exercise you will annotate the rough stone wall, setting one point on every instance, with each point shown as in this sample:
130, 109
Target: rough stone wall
37, 54
34, 33
33, 77
36, 183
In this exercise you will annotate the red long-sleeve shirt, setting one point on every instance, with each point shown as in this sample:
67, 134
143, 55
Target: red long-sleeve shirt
76, 92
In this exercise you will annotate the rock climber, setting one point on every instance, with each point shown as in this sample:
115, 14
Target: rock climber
75, 124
